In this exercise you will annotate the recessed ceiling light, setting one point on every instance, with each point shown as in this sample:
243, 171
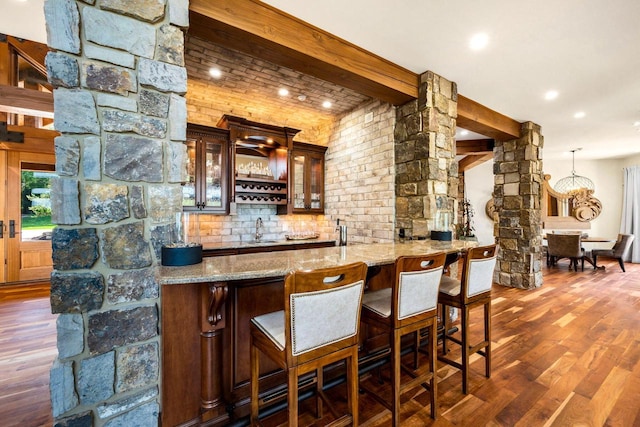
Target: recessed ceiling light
479, 41
283, 91
215, 72
579, 115
551, 95
302, 97
636, 123
326, 104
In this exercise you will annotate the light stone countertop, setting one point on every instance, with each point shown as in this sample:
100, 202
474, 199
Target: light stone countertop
278, 264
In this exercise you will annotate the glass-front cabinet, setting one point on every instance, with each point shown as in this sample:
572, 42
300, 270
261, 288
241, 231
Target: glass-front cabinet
307, 178
207, 187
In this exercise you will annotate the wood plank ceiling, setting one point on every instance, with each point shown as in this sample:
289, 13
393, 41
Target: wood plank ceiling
262, 31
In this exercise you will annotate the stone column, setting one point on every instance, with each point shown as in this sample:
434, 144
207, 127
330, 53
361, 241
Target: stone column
426, 170
517, 195
118, 72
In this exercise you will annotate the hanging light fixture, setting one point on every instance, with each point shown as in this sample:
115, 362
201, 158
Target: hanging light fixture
573, 182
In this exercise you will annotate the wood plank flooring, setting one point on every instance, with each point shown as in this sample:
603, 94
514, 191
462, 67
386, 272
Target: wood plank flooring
27, 350
566, 354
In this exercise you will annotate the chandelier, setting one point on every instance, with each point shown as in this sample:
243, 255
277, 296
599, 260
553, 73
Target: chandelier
573, 182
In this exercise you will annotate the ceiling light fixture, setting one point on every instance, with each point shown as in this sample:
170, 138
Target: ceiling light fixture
579, 115
215, 72
573, 182
464, 132
302, 98
551, 95
636, 123
283, 91
326, 104
479, 41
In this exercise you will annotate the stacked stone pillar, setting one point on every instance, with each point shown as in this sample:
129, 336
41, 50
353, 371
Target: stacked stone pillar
426, 170
517, 197
119, 80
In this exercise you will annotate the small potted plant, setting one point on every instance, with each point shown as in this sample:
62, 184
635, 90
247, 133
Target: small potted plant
464, 228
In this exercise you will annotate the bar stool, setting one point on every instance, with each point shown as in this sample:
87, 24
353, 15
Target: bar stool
472, 291
409, 306
319, 326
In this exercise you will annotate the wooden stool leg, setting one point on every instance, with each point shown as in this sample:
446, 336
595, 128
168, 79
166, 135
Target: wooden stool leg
292, 396
255, 375
487, 338
395, 378
445, 322
319, 386
433, 366
416, 352
352, 385
464, 325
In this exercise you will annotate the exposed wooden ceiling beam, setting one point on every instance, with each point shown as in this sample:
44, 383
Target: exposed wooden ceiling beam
471, 161
33, 52
474, 146
480, 119
35, 140
26, 101
262, 31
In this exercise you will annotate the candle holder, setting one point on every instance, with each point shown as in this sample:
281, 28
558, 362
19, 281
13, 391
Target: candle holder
187, 250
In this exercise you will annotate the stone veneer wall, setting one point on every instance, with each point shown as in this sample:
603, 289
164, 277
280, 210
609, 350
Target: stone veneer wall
426, 169
119, 77
517, 192
359, 173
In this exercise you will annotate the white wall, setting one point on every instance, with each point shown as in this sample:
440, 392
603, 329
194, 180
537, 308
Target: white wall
606, 175
478, 189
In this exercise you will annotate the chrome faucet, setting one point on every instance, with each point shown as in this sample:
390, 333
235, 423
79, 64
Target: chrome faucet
258, 229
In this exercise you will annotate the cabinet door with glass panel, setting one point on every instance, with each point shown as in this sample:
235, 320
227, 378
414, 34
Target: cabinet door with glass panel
207, 186
307, 178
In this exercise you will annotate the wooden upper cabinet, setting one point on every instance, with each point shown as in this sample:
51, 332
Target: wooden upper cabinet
307, 178
207, 187
246, 162
260, 161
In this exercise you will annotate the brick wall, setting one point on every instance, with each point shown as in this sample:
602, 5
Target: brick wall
359, 176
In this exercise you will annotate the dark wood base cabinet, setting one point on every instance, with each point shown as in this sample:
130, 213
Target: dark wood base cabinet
205, 348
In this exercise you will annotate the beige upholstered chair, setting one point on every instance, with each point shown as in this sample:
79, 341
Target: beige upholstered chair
319, 326
619, 251
473, 290
565, 246
407, 307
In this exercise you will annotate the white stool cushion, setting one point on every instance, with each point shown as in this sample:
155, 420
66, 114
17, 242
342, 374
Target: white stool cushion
449, 286
378, 301
272, 325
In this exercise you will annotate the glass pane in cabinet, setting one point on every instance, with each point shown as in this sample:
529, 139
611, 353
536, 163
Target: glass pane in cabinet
213, 163
189, 188
316, 184
298, 182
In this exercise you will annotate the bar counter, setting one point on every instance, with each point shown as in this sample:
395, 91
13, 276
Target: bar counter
267, 264
205, 313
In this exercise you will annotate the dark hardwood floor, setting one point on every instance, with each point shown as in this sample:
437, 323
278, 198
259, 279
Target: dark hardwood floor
566, 354
27, 350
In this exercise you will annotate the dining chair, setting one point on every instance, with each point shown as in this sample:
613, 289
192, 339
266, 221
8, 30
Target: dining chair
565, 246
473, 290
318, 326
619, 250
407, 307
